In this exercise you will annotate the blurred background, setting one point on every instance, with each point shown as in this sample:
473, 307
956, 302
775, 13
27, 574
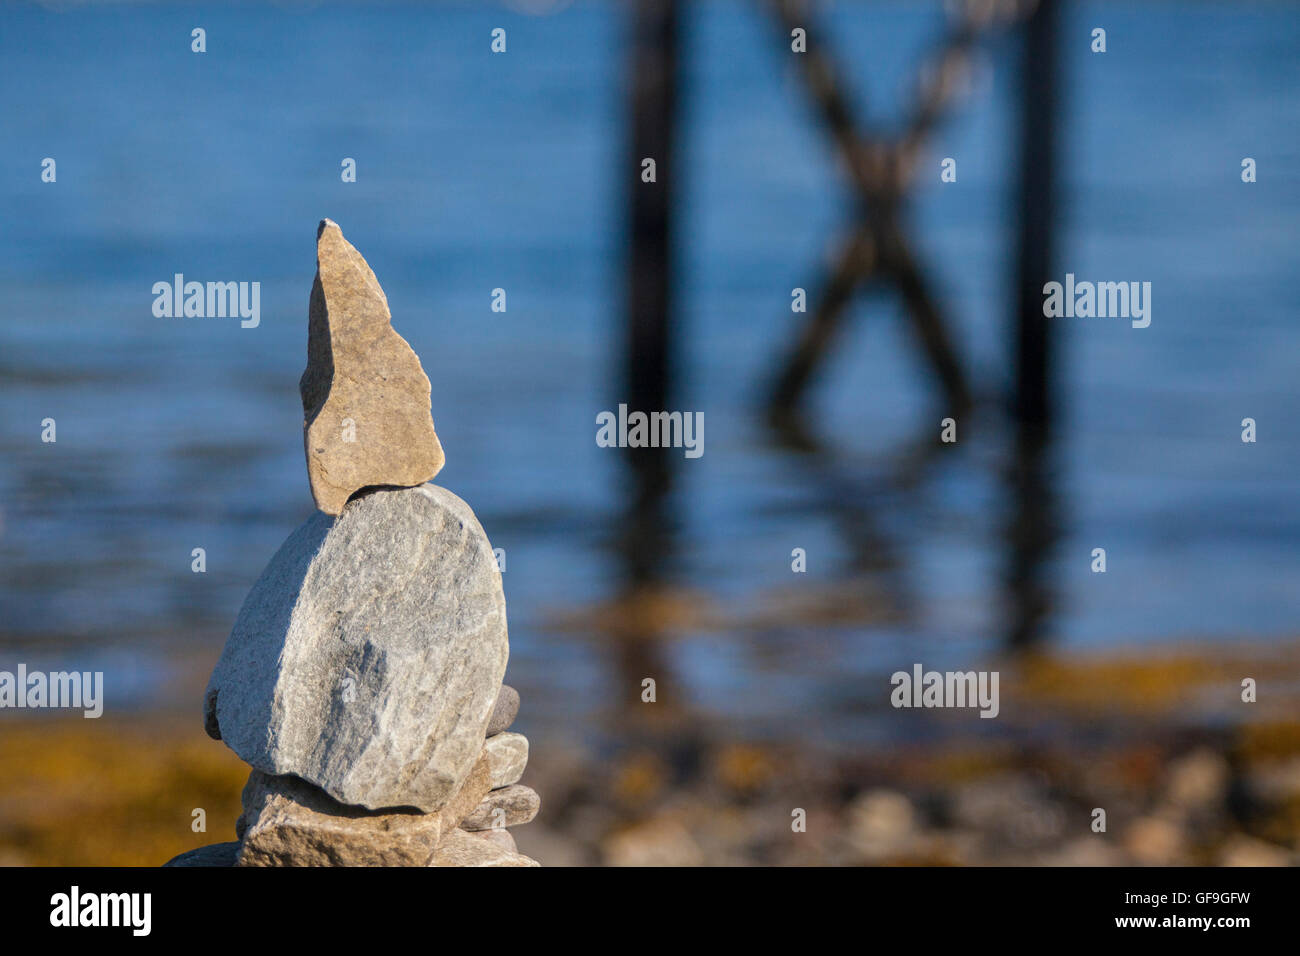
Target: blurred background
521, 171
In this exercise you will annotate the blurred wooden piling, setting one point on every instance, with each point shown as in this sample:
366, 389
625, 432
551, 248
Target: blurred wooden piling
1032, 530
1033, 402
649, 358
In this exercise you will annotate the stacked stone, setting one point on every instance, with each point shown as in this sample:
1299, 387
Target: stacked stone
506, 804
289, 822
362, 679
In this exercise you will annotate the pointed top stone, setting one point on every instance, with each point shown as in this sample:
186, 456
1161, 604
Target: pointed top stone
365, 397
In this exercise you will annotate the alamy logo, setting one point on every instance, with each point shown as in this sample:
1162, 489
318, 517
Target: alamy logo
922, 688
655, 430
75, 908
1103, 300
58, 689
212, 300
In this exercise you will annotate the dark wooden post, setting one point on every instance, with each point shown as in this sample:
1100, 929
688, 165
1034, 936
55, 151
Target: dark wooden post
649, 358
1033, 525
1033, 403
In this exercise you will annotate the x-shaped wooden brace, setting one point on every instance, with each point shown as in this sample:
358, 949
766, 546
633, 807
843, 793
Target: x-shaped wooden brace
880, 170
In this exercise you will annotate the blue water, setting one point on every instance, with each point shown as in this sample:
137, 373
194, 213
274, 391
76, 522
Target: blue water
478, 171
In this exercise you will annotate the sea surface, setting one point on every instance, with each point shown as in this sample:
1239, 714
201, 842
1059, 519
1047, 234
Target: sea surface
478, 171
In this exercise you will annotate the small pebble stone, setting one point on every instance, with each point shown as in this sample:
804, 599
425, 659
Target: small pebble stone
505, 711
516, 805
507, 756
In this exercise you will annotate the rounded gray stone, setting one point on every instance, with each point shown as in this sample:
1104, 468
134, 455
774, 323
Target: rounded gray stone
505, 711
215, 854
368, 656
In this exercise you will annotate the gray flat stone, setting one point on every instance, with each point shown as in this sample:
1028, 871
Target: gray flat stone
368, 656
215, 854
507, 756
505, 710
465, 849
507, 807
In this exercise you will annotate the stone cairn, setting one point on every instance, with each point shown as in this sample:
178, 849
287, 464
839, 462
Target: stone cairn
362, 679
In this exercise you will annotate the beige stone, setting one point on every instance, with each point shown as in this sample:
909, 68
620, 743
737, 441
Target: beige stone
289, 822
507, 807
465, 849
365, 397
498, 835
475, 788
507, 756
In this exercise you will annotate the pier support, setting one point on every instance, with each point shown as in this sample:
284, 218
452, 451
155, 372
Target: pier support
1032, 531
649, 356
